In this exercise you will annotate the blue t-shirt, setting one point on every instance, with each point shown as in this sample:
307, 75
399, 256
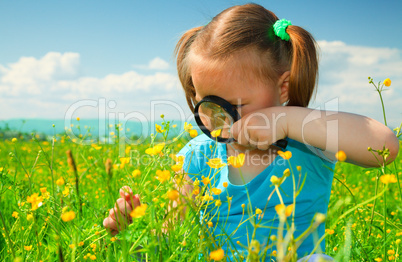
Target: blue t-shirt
231, 225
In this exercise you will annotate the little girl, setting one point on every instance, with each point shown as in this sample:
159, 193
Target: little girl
267, 69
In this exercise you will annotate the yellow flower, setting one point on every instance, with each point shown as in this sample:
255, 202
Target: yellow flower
193, 133
236, 161
210, 224
386, 179
97, 147
136, 173
387, 82
225, 184
216, 191
78, 119
282, 209
275, 180
215, 163
66, 191
35, 200
15, 214
68, 216
30, 217
81, 243
216, 133
92, 257
162, 176
218, 203
206, 180
217, 255
1, 169
60, 181
124, 161
43, 190
139, 211
258, 211
341, 156
177, 167
155, 150
14, 140
173, 194
285, 155
28, 248
196, 190
187, 126
158, 128
329, 231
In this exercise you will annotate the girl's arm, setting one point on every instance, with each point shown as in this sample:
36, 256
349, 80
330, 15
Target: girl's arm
328, 130
334, 131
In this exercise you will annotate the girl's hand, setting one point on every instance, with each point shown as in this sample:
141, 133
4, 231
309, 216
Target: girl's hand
261, 128
119, 216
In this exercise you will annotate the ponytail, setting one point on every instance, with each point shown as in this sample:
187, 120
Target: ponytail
181, 52
304, 66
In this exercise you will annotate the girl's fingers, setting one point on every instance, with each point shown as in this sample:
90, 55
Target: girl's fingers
110, 224
123, 206
126, 192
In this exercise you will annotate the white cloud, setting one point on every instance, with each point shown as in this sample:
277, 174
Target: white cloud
344, 71
155, 64
47, 86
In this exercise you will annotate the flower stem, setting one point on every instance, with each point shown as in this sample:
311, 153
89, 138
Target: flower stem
8, 236
383, 108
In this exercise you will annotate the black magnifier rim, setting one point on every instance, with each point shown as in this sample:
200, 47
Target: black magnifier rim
228, 107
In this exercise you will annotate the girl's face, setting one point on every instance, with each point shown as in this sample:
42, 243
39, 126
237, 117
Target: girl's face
238, 84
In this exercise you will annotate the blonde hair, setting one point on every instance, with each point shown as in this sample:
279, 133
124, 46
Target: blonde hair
250, 28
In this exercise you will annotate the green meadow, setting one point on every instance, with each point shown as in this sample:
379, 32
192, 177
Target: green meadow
55, 194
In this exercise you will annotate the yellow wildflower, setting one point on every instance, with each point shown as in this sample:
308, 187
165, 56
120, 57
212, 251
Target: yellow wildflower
66, 191
60, 181
155, 150
196, 190
97, 147
162, 176
341, 156
275, 180
14, 140
225, 184
216, 133
187, 126
43, 190
124, 161
158, 128
236, 161
30, 217
15, 214
387, 82
35, 200
386, 179
258, 211
193, 133
217, 255
216, 191
285, 155
282, 209
218, 203
206, 180
136, 173
28, 248
329, 231
177, 167
68, 216
139, 211
215, 163
173, 194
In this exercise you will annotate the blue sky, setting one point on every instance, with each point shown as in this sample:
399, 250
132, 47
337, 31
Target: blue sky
56, 53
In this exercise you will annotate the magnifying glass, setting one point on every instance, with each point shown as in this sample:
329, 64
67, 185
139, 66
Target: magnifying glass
215, 116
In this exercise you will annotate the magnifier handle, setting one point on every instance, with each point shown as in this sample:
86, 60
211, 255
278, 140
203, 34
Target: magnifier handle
282, 143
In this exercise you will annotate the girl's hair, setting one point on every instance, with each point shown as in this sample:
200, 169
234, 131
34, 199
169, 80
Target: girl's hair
249, 28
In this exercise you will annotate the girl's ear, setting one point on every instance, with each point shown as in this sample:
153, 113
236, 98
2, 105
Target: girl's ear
283, 85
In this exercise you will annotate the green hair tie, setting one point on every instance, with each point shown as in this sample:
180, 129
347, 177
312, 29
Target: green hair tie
280, 29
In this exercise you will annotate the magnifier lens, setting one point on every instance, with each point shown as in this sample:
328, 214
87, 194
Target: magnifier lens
215, 118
